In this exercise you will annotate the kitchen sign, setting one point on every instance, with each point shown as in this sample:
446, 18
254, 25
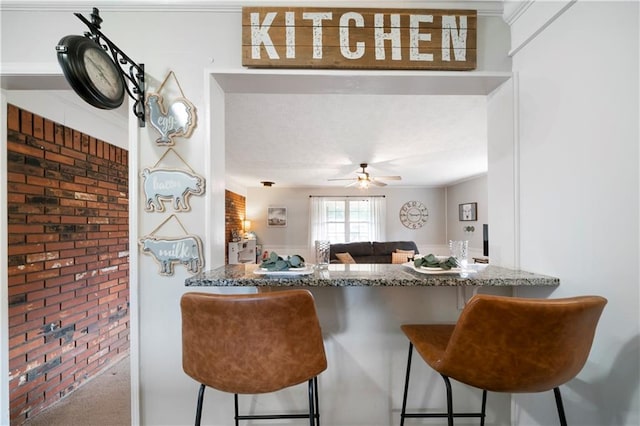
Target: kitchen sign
301, 37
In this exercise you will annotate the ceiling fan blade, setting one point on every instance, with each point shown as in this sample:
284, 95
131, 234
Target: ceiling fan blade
352, 184
343, 179
377, 182
389, 177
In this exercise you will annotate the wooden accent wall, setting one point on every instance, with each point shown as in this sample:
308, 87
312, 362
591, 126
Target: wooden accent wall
235, 212
68, 271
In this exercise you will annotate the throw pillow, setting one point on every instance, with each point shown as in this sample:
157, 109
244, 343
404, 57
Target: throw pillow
409, 252
400, 257
345, 258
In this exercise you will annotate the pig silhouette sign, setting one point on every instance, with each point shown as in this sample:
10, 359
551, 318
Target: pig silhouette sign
169, 251
177, 186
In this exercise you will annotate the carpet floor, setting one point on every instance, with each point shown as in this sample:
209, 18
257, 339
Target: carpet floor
103, 401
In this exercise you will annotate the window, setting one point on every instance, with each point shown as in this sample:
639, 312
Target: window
347, 219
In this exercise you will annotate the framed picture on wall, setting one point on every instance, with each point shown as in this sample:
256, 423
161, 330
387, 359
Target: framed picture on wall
468, 211
277, 216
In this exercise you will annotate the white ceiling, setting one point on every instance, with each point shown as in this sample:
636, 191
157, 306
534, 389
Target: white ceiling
299, 130
306, 139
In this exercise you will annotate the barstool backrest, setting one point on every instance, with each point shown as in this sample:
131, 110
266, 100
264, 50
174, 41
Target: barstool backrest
509, 344
251, 343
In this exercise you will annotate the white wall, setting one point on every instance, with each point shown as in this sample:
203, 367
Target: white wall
502, 178
578, 120
470, 191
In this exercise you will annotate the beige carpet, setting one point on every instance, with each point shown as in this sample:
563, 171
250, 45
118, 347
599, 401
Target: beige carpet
103, 401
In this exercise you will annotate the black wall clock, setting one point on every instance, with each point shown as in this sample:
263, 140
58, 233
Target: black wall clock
414, 214
91, 72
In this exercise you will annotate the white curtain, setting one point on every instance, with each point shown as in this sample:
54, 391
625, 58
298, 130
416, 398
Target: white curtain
317, 221
318, 217
378, 220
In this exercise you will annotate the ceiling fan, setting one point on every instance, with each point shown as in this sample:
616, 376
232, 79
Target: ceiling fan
363, 179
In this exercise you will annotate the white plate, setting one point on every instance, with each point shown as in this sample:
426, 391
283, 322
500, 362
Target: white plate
435, 271
291, 271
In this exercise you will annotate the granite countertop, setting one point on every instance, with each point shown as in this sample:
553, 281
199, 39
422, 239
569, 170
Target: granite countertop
378, 275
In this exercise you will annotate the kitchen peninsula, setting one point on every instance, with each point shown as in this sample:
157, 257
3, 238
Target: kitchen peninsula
369, 275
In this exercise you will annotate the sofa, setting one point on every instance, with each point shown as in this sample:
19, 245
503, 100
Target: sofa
370, 252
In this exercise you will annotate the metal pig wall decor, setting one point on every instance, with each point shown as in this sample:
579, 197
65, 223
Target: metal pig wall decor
168, 184
178, 119
169, 251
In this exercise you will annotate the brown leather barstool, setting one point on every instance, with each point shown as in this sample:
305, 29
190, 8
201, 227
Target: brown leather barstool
252, 344
507, 344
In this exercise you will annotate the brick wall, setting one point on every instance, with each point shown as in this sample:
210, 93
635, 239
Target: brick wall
234, 214
68, 259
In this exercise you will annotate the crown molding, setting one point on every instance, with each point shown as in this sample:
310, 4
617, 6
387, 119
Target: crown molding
513, 9
483, 7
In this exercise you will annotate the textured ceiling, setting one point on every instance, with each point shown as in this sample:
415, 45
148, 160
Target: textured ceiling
305, 139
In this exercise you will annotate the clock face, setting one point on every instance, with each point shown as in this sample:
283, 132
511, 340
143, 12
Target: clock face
91, 71
103, 74
414, 214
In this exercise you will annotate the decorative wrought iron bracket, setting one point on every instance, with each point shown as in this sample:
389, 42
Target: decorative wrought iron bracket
133, 76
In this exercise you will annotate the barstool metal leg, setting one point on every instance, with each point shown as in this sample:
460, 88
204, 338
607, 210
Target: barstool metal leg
315, 387
199, 406
312, 401
406, 386
449, 400
483, 411
563, 419
235, 405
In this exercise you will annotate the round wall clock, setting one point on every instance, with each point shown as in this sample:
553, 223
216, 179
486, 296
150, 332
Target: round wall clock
91, 72
413, 214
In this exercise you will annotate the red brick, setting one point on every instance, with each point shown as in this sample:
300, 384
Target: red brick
22, 269
42, 238
60, 246
73, 186
23, 188
26, 122
42, 275
59, 132
13, 118
25, 327
59, 263
43, 219
16, 177
42, 294
16, 198
42, 312
19, 285
21, 148
48, 131
77, 141
25, 249
73, 154
42, 350
25, 347
51, 156
62, 297
38, 127
73, 203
